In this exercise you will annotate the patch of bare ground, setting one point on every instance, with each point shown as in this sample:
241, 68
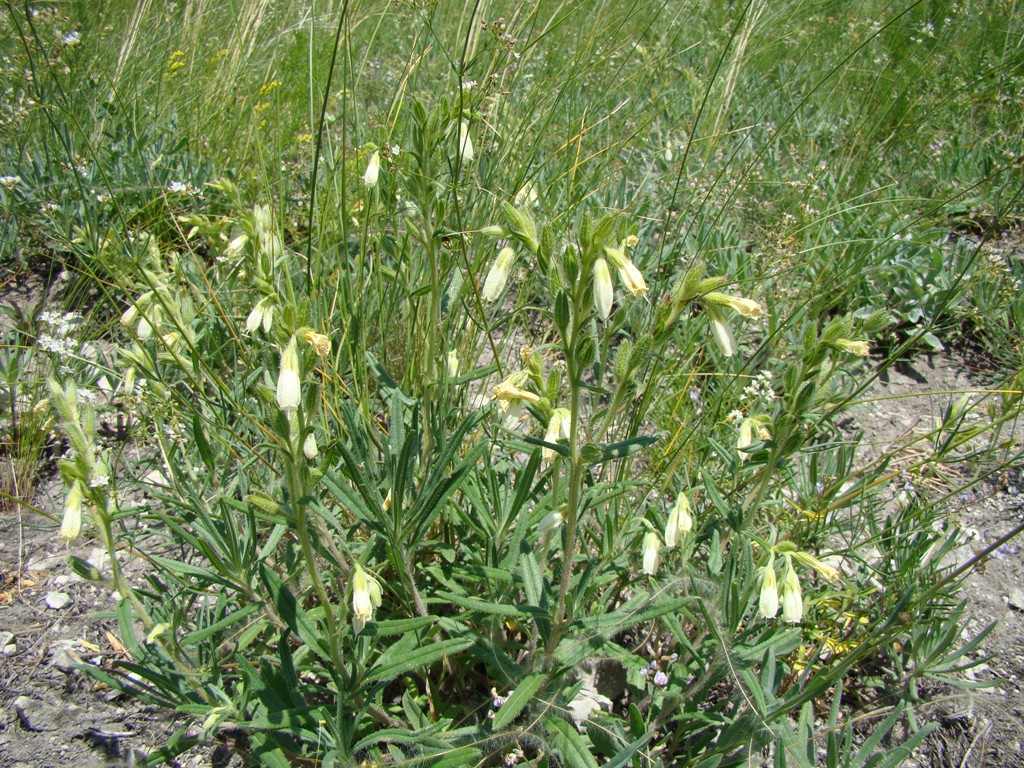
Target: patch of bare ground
979, 727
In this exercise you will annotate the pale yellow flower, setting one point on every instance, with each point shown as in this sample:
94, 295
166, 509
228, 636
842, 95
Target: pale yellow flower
372, 171
71, 525
366, 596
320, 343
289, 391
768, 604
680, 521
558, 427
496, 278
604, 291
792, 600
720, 331
651, 553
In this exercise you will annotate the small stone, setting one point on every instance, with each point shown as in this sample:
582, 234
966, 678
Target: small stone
58, 600
64, 660
1016, 599
6, 638
37, 715
9, 650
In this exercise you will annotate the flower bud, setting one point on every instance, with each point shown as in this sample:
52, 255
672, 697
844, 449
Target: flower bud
652, 553
604, 291
372, 170
680, 521
289, 391
494, 284
309, 447
452, 363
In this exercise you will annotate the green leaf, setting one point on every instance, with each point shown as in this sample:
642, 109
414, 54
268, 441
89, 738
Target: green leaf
423, 656
624, 448
396, 626
626, 754
203, 446
194, 638
85, 569
569, 743
518, 700
291, 612
481, 606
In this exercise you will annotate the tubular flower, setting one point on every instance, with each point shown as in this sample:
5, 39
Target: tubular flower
558, 428
680, 521
526, 196
509, 392
262, 314
465, 143
604, 291
372, 170
792, 601
633, 279
745, 307
768, 605
365, 598
496, 278
288, 388
551, 521
71, 525
720, 330
652, 553
745, 439
320, 343
858, 348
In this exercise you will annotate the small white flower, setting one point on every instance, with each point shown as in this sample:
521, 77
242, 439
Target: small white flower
10, 182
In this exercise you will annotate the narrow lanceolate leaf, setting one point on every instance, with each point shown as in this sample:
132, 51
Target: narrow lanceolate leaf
570, 744
515, 703
420, 657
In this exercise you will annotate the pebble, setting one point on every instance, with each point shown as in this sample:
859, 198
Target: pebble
64, 660
6, 638
1016, 599
58, 600
9, 650
37, 715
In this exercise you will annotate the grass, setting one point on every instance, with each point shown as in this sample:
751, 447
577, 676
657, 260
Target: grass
408, 485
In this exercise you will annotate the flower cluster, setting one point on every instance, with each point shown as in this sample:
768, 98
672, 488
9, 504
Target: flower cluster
760, 388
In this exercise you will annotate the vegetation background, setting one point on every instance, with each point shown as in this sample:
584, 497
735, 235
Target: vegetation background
479, 371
